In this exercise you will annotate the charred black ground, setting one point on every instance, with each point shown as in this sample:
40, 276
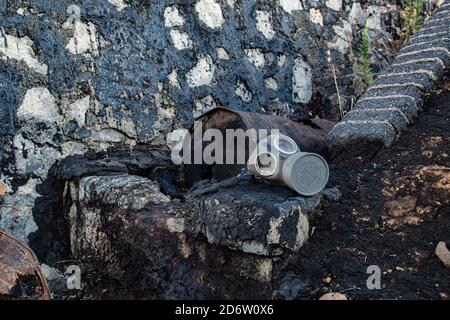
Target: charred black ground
394, 211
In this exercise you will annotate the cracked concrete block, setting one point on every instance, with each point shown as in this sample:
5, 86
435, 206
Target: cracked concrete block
432, 23
348, 132
410, 92
433, 70
440, 56
394, 116
244, 218
441, 44
428, 37
406, 105
124, 191
423, 80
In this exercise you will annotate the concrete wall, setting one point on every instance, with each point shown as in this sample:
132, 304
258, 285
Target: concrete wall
85, 75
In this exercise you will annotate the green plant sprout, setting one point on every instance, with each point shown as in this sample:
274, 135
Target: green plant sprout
413, 17
364, 56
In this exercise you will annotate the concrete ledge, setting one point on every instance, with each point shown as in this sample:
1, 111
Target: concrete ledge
398, 93
356, 131
406, 105
393, 115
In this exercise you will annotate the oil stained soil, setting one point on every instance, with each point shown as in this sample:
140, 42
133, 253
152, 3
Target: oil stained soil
394, 211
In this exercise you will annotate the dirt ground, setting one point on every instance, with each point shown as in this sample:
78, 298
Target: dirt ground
394, 211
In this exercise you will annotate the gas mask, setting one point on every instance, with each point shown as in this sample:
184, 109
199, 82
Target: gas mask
277, 158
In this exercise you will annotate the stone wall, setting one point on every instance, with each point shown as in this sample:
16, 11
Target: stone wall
87, 75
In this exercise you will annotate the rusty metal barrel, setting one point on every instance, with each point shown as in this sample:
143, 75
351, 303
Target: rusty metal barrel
21, 277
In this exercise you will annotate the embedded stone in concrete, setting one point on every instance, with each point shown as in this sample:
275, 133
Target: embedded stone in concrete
271, 83
291, 5
210, 13
335, 5
256, 57
21, 49
301, 81
349, 132
173, 79
395, 116
40, 105
119, 4
202, 74
264, 24
316, 16
242, 91
203, 105
172, 17
84, 38
222, 53
77, 111
22, 223
180, 39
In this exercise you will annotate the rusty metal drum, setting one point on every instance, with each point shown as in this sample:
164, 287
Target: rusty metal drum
21, 277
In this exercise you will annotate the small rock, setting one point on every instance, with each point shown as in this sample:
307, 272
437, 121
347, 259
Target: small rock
291, 286
443, 253
332, 194
50, 273
308, 204
333, 296
327, 280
